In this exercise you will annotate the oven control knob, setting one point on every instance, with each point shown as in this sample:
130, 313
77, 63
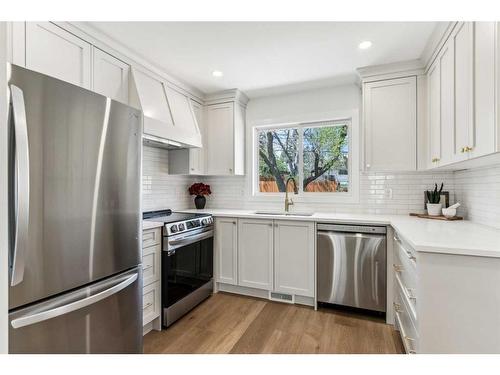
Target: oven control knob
204, 221
181, 227
173, 228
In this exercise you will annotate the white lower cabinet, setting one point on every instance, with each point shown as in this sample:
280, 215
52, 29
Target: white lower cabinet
294, 243
255, 253
226, 248
443, 303
151, 279
258, 256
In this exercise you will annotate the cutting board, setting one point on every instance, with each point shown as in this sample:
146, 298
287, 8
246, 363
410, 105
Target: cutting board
425, 216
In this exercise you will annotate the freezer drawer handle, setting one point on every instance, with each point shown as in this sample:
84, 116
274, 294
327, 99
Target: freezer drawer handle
22, 184
73, 306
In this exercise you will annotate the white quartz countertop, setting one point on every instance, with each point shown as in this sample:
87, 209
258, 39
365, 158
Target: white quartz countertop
424, 235
146, 224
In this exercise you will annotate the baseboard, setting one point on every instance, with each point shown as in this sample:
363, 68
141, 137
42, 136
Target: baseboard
259, 293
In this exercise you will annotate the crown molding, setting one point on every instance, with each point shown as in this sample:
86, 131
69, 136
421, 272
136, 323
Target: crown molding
127, 55
392, 70
227, 96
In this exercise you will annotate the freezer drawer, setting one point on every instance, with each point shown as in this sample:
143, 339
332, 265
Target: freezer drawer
105, 317
352, 269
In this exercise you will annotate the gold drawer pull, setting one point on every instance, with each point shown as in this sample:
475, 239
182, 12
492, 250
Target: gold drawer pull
149, 304
435, 160
398, 268
397, 307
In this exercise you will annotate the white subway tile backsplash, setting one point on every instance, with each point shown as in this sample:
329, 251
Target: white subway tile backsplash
161, 190
393, 193
478, 190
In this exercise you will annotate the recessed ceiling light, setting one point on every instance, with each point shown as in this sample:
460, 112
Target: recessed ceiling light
217, 73
365, 44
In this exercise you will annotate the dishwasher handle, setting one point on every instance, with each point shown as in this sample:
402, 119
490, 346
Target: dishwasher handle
346, 228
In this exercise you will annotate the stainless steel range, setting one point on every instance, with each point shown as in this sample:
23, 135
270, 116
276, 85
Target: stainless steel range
187, 261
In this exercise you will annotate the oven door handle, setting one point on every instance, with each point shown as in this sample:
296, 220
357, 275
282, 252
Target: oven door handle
190, 239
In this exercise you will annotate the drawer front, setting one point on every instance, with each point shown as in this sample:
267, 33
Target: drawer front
151, 304
151, 237
404, 322
405, 265
151, 264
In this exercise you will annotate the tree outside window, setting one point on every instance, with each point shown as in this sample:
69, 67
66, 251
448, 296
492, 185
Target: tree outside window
316, 156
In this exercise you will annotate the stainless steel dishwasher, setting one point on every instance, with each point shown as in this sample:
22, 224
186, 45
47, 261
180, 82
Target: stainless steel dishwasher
352, 265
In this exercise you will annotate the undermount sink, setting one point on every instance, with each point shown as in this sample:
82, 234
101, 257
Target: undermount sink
282, 213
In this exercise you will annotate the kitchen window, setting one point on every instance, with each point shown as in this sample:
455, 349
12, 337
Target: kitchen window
316, 155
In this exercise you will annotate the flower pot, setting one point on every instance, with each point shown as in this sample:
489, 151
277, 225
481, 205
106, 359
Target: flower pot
200, 201
434, 209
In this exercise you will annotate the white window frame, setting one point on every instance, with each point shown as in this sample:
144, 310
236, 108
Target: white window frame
352, 196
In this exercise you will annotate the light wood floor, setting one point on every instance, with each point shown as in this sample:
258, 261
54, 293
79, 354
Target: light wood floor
227, 323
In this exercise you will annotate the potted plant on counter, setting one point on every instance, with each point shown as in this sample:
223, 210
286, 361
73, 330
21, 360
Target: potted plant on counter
433, 201
200, 190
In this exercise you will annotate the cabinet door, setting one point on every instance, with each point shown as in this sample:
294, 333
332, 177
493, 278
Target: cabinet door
255, 253
434, 98
294, 244
197, 155
447, 105
110, 76
482, 132
53, 51
463, 45
226, 247
391, 124
220, 139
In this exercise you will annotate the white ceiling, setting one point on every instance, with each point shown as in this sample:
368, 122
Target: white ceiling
260, 57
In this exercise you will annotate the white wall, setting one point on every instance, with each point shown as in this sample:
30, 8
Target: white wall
393, 193
3, 194
308, 105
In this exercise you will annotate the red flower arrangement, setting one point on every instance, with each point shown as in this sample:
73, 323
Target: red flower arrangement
199, 188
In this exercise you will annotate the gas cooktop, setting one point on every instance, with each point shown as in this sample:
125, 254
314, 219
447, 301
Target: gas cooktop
168, 216
178, 222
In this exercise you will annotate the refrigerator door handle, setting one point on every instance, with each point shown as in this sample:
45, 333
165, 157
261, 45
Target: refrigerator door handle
73, 306
22, 185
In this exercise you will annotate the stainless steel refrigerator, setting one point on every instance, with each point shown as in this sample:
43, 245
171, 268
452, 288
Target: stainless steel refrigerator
74, 218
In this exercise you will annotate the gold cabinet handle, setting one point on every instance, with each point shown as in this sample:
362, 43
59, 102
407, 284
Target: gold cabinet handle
462, 150
468, 149
435, 160
397, 307
397, 268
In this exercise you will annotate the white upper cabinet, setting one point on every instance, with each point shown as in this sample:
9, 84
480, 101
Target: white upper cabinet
482, 132
110, 76
225, 136
461, 94
255, 253
434, 108
447, 105
463, 42
197, 154
294, 244
53, 51
390, 120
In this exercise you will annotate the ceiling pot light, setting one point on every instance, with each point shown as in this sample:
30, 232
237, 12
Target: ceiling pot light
365, 44
217, 73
